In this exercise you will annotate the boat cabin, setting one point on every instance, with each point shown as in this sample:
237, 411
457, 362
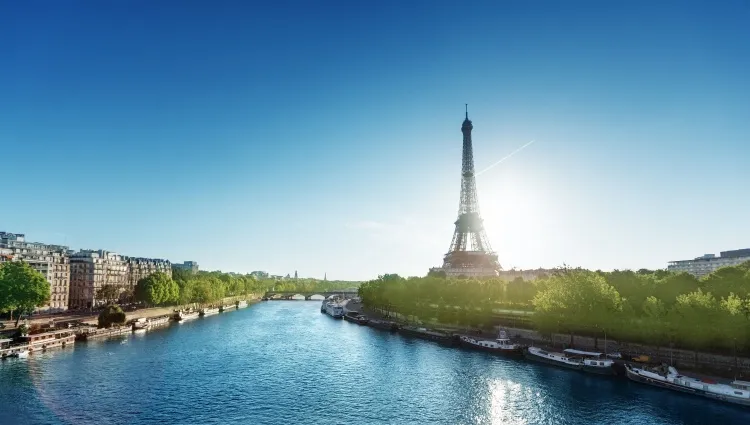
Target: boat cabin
590, 358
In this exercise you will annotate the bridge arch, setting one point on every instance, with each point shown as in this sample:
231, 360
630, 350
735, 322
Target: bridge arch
297, 297
317, 297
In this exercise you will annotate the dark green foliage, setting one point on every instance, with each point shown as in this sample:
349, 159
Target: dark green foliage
157, 289
108, 293
22, 288
653, 307
111, 315
211, 287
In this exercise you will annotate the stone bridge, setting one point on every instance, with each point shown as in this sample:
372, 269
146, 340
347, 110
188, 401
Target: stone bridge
286, 295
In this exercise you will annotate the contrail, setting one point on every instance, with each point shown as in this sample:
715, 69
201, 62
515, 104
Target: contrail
505, 157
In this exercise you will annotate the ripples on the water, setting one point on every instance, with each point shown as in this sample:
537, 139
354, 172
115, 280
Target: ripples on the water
285, 363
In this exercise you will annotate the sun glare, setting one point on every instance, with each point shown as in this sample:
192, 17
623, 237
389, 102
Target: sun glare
510, 209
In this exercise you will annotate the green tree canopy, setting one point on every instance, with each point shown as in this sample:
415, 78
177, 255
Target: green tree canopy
576, 298
22, 288
109, 293
111, 315
157, 289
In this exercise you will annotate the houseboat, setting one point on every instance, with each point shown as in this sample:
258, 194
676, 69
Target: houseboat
737, 392
501, 345
140, 323
209, 311
356, 317
592, 362
241, 304
158, 321
383, 324
334, 309
558, 359
9, 349
431, 335
184, 315
147, 323
46, 340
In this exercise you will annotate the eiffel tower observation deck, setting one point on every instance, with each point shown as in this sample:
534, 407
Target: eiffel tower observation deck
470, 253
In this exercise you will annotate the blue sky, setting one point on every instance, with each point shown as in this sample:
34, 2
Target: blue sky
325, 136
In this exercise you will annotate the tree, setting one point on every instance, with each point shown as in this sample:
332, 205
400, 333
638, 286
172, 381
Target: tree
728, 280
576, 299
111, 315
437, 273
22, 288
157, 289
109, 293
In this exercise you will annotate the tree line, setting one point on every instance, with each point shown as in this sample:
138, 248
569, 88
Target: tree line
205, 288
653, 307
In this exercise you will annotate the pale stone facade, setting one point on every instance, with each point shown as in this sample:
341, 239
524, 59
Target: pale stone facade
89, 271
138, 268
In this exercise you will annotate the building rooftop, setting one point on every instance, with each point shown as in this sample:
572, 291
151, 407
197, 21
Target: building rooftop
737, 253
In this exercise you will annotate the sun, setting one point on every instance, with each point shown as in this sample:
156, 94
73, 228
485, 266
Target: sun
510, 209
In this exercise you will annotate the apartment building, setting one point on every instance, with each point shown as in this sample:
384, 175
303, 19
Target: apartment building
190, 266
707, 263
138, 268
89, 271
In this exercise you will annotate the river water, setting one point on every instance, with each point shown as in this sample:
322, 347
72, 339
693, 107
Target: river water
283, 362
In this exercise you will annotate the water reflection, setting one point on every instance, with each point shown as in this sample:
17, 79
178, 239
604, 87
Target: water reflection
284, 362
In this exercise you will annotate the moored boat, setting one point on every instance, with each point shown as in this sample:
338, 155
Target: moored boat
333, 308
557, 359
356, 317
736, 392
184, 315
383, 324
46, 340
428, 334
592, 362
140, 323
500, 345
209, 311
241, 304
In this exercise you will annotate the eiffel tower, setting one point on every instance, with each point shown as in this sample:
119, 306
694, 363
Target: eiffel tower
470, 252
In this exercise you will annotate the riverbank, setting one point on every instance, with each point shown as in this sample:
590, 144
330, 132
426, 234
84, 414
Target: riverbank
91, 317
64, 333
726, 366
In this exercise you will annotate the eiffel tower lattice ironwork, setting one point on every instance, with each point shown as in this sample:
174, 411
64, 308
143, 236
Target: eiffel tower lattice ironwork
470, 252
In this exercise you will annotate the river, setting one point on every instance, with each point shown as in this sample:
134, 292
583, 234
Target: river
283, 362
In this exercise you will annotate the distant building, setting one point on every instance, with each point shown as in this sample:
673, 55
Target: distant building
90, 270
707, 263
138, 268
190, 266
507, 275
259, 274
531, 274
50, 260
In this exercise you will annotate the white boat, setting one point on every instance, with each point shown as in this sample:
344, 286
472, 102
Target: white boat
140, 323
592, 362
21, 354
333, 308
737, 392
501, 345
242, 304
557, 359
187, 315
209, 311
